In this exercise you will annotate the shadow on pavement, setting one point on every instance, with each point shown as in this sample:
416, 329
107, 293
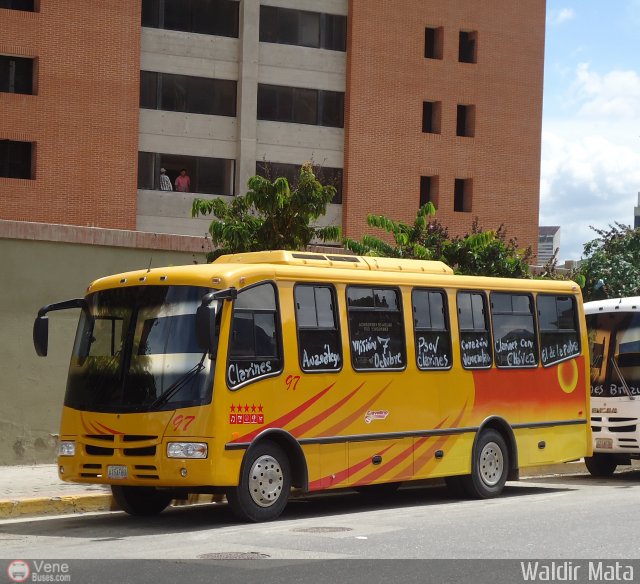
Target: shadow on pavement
175, 520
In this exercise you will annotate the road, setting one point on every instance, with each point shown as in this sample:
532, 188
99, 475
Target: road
564, 517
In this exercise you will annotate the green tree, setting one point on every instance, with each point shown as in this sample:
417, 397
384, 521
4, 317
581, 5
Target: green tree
611, 267
272, 215
487, 253
418, 241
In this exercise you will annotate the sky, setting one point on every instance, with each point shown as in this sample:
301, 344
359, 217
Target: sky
590, 171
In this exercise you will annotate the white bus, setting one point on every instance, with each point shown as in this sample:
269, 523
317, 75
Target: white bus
614, 343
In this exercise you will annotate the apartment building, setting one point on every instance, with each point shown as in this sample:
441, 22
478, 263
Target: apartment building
548, 243
398, 103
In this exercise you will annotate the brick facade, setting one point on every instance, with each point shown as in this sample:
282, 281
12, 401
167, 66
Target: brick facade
388, 78
83, 116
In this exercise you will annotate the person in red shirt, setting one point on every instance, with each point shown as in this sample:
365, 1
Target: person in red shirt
183, 182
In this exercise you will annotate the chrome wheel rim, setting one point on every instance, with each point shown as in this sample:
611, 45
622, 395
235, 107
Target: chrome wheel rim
491, 464
265, 481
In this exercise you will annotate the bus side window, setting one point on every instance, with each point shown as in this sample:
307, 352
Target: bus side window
254, 345
559, 334
514, 335
431, 327
319, 344
475, 339
376, 329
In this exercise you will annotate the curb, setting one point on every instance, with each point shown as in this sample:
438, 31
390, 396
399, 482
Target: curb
56, 505
563, 468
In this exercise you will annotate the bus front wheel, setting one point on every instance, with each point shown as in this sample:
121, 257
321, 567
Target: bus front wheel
264, 486
489, 467
140, 500
600, 465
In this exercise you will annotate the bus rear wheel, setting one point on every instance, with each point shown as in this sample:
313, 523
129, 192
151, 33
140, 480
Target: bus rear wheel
489, 466
265, 483
600, 465
140, 500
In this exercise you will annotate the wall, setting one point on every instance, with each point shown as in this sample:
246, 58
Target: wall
388, 78
243, 138
38, 272
84, 116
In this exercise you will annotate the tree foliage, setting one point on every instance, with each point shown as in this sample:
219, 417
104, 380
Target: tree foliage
487, 253
611, 264
411, 241
272, 215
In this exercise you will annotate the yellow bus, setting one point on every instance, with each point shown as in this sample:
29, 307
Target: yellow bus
270, 370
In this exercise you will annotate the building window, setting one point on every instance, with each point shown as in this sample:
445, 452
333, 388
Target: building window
473, 322
462, 195
466, 120
431, 115
514, 332
307, 29
431, 326
182, 93
301, 106
433, 38
16, 75
429, 190
214, 17
376, 329
16, 159
326, 175
319, 345
254, 347
559, 332
213, 176
27, 5
467, 52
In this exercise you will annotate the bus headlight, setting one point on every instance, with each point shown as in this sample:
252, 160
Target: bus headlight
67, 448
187, 450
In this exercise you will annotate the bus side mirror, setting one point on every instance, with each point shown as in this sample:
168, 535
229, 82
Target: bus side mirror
41, 324
206, 327
41, 335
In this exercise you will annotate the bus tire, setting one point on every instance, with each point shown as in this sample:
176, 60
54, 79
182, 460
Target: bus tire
600, 465
265, 484
489, 466
140, 500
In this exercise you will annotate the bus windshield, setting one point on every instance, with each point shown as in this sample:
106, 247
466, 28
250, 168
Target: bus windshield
614, 341
136, 350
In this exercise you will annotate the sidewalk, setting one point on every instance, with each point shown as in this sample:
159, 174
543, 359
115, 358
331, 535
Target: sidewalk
28, 491
37, 490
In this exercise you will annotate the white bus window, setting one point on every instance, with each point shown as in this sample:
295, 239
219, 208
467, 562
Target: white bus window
475, 339
431, 327
376, 329
514, 335
559, 335
319, 344
254, 346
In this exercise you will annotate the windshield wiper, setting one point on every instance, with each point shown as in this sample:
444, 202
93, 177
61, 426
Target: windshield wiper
616, 368
175, 387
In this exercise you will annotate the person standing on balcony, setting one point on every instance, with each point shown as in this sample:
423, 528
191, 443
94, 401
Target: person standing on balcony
183, 182
165, 181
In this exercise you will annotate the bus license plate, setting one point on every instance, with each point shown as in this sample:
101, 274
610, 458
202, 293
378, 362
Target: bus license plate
605, 443
117, 472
